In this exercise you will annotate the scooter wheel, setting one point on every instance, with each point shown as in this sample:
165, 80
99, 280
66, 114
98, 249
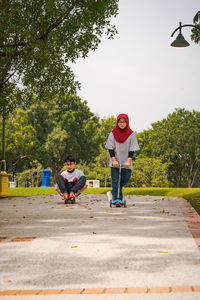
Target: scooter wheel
124, 203
110, 203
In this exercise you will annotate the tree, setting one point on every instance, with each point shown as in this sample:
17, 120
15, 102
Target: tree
102, 160
38, 40
106, 126
149, 172
21, 141
99, 169
102, 166
195, 32
65, 126
55, 149
176, 140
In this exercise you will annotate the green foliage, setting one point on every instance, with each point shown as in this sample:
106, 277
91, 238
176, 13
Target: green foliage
148, 172
194, 199
137, 179
159, 180
175, 140
102, 164
66, 126
39, 39
21, 142
169, 151
106, 126
99, 169
195, 32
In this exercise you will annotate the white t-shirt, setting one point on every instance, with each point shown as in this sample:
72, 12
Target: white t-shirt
122, 149
71, 176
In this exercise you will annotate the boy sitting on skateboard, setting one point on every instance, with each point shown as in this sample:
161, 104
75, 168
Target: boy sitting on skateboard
71, 182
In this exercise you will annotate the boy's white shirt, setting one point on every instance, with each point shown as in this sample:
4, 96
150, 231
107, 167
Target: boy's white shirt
70, 176
122, 149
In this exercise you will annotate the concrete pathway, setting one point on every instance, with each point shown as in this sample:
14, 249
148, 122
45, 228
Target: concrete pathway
49, 250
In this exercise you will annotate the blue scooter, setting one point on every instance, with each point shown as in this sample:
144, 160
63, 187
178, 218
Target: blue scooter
118, 202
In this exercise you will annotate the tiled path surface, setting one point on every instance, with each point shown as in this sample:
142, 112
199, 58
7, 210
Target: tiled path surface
158, 215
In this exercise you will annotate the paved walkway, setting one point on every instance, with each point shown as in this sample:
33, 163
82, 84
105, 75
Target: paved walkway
49, 250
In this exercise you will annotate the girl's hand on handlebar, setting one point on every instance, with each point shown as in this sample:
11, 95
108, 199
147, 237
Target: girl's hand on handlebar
127, 164
115, 164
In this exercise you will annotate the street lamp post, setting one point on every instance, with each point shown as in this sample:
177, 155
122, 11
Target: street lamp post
3, 144
180, 40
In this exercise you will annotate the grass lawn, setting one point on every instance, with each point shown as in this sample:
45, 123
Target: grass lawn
190, 194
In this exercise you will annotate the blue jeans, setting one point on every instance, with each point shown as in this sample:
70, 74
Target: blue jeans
125, 176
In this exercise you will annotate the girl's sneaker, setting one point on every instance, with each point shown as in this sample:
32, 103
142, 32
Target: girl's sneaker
109, 196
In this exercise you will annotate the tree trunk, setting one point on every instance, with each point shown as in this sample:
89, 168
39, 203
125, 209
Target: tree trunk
192, 178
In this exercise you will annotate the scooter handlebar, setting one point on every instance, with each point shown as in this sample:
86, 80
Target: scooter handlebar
120, 165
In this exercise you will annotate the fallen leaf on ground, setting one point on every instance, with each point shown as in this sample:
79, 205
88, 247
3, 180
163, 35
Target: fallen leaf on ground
162, 251
74, 246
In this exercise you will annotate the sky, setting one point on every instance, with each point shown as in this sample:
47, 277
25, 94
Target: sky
138, 72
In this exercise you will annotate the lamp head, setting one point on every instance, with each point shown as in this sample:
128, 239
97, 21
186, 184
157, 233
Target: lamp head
180, 41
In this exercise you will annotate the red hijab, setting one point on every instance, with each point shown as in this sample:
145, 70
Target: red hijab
121, 135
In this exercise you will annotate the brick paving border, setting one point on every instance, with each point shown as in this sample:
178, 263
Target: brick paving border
17, 239
192, 218
129, 290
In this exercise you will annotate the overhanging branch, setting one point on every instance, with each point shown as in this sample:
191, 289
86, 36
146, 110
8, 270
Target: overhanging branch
45, 34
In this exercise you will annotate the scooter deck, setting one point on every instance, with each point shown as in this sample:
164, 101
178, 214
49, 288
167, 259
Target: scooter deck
118, 203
